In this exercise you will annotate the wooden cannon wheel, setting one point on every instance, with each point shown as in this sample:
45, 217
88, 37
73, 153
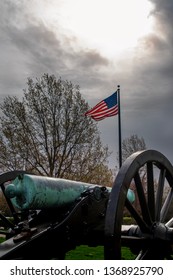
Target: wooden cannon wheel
150, 175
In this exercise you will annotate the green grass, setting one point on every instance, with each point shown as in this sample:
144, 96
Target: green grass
97, 253
127, 254
84, 252
94, 253
2, 239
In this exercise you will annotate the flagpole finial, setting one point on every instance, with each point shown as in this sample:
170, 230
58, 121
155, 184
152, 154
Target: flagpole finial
118, 86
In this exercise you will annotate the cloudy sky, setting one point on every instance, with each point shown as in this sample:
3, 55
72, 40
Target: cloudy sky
97, 44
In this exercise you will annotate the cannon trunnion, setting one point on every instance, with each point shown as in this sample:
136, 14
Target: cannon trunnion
52, 216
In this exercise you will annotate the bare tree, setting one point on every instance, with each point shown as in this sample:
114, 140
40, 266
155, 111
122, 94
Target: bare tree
131, 145
47, 133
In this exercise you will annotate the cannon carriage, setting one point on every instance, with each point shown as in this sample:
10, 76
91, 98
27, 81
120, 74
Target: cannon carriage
52, 216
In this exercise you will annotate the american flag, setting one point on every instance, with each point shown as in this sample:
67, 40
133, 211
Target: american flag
108, 107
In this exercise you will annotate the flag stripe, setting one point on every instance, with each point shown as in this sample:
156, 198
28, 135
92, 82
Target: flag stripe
105, 111
113, 111
105, 108
108, 113
96, 108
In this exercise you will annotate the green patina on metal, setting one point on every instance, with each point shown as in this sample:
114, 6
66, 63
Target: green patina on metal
38, 192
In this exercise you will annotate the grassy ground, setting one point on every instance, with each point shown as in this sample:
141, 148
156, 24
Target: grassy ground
85, 253
1, 239
94, 253
97, 253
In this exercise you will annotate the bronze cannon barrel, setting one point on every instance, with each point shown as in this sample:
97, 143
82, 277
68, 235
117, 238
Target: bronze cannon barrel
39, 192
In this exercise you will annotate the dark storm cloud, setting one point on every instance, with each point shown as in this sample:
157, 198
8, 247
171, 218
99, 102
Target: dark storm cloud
153, 63
163, 12
46, 49
30, 48
93, 59
153, 43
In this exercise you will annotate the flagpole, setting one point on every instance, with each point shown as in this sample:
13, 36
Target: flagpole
119, 126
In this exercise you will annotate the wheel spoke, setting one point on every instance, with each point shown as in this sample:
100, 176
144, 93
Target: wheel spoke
169, 223
159, 194
142, 199
150, 190
143, 226
149, 254
142, 254
166, 206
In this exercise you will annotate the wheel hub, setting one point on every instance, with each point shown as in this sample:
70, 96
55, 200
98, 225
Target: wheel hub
161, 231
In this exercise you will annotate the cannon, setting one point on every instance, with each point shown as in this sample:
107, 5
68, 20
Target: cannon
52, 216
